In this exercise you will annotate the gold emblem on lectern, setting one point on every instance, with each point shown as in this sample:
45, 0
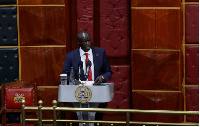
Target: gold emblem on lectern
83, 94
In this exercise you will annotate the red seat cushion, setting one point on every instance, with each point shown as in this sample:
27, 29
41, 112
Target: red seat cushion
14, 96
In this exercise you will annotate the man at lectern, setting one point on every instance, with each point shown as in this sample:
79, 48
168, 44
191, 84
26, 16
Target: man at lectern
94, 64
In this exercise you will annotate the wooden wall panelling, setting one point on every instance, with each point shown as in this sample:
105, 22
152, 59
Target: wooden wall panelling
168, 28
168, 68
155, 3
143, 67
73, 24
40, 2
143, 28
67, 25
156, 70
42, 25
156, 28
157, 100
42, 65
47, 95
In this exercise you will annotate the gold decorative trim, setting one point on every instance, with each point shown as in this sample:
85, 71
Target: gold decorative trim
32, 46
191, 85
45, 46
87, 92
18, 39
46, 5
191, 3
191, 44
11, 5
155, 91
183, 45
47, 86
155, 7
159, 49
8, 46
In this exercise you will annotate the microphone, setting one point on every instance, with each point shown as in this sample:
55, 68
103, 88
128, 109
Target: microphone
88, 65
80, 65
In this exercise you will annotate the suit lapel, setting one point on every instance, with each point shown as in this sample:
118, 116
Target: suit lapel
77, 56
95, 61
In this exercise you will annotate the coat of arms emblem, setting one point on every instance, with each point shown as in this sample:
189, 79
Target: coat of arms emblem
19, 97
83, 94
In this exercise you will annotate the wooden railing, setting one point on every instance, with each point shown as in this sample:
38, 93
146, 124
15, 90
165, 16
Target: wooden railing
128, 122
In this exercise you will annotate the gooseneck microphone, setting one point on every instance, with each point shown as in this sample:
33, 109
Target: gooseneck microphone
88, 65
80, 65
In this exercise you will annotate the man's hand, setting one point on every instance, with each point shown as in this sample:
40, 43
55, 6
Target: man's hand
99, 80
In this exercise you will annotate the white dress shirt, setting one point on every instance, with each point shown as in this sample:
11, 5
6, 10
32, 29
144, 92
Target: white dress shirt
90, 57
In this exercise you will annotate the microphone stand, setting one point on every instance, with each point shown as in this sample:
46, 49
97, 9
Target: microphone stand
79, 73
88, 66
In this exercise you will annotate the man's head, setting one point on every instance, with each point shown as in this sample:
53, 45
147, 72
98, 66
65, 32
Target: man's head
84, 40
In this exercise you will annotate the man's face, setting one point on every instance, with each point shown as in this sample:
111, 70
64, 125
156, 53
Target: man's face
85, 42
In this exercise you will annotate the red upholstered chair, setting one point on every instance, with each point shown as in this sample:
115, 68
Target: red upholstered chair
12, 95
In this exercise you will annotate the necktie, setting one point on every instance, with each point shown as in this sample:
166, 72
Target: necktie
90, 70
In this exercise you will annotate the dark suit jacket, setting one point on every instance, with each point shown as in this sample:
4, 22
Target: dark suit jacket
101, 64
